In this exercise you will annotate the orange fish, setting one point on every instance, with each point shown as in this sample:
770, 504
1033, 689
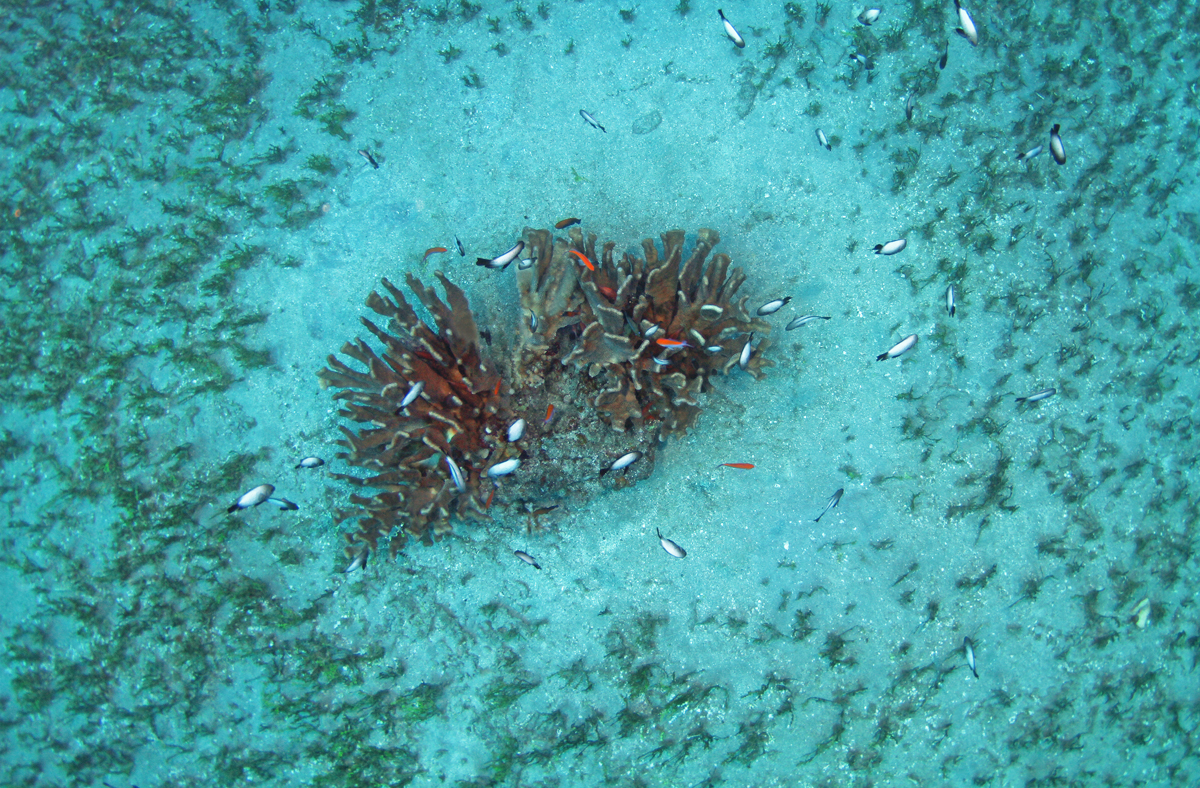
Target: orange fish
434, 250
549, 414
491, 495
566, 223
582, 257
672, 343
496, 393
745, 466
608, 293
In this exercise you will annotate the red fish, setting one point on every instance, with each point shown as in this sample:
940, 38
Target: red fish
608, 293
566, 223
549, 414
745, 466
672, 342
583, 258
434, 250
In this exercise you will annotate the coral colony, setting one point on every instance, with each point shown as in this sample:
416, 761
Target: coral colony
608, 357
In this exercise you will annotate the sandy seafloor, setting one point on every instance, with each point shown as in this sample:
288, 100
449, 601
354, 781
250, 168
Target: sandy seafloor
177, 265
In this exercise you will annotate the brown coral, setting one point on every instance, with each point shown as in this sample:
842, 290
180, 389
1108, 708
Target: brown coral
587, 344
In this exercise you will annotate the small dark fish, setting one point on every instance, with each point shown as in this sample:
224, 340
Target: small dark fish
951, 299
945, 57
899, 349
831, 503
504, 260
908, 106
891, 247
565, 223
1037, 397
527, 558
487, 335
253, 498
821, 138
623, 462
1056, 146
969, 650
730, 31
311, 462
359, 561
670, 546
461, 251
284, 504
966, 27
800, 321
591, 121
1029, 154
366, 154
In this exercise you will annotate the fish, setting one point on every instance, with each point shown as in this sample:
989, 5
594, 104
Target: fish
533, 321
456, 476
661, 362
744, 358
908, 106
1141, 613
800, 321
869, 16
945, 57
366, 154
650, 331
668, 545
549, 415
607, 292
899, 349
771, 307
434, 250
623, 462
414, 391
730, 31
1037, 396
863, 60
969, 650
461, 251
311, 462
1029, 154
503, 468
503, 260
527, 558
966, 27
744, 466
823, 140
525, 264
831, 503
565, 223
591, 121
284, 504
360, 560
516, 430
891, 247
714, 348
1056, 146
583, 258
671, 342
951, 299
253, 498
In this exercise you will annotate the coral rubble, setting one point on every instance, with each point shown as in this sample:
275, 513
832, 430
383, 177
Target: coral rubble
620, 348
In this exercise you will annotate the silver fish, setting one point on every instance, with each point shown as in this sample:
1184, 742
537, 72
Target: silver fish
516, 430
1038, 396
832, 502
969, 650
909, 105
414, 391
800, 321
253, 498
360, 560
821, 138
771, 307
503, 468
899, 349
951, 299
670, 546
863, 60
1056, 146
744, 359
284, 504
527, 558
456, 476
311, 462
525, 264
1029, 154
738, 41
504, 260
591, 121
891, 247
966, 27
869, 16
623, 462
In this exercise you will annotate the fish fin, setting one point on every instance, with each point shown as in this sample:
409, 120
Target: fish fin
881, 357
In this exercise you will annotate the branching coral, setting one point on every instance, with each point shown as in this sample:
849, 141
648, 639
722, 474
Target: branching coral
622, 349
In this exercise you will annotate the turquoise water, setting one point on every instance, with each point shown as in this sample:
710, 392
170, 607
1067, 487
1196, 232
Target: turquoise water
187, 230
